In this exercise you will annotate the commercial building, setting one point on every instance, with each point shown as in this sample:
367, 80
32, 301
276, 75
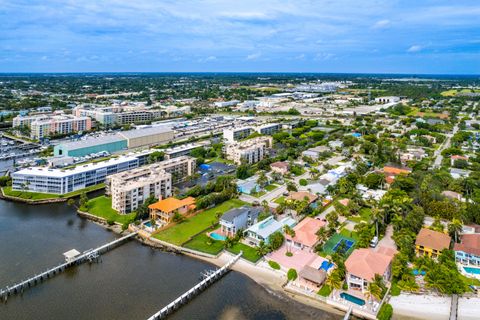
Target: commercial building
222, 104
430, 243
129, 189
385, 100
251, 150
164, 211
184, 149
235, 134
116, 142
61, 181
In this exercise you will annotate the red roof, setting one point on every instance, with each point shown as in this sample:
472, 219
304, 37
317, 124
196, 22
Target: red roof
305, 231
366, 263
470, 243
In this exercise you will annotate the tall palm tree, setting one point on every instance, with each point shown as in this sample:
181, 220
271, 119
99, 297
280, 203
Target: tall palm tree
262, 249
291, 233
375, 290
322, 234
454, 228
334, 281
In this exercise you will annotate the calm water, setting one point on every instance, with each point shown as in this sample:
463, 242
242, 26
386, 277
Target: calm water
132, 282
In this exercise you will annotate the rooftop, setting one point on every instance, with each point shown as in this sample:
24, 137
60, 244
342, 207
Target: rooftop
433, 239
366, 263
305, 231
469, 243
172, 204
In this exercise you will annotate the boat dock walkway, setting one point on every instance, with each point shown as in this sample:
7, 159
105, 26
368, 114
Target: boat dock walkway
454, 307
89, 255
184, 298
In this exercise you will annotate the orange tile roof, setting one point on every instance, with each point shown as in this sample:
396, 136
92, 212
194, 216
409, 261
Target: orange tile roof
305, 231
433, 239
366, 263
396, 170
470, 243
172, 204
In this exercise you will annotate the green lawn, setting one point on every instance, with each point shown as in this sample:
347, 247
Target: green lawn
258, 194
470, 281
182, 232
364, 215
324, 291
249, 253
330, 244
271, 187
102, 207
204, 243
280, 200
42, 196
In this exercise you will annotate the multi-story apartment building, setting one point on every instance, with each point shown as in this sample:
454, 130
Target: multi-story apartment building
119, 115
251, 150
235, 134
61, 181
45, 125
129, 189
180, 167
269, 128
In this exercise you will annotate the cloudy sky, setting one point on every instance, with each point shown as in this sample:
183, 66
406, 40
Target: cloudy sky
384, 36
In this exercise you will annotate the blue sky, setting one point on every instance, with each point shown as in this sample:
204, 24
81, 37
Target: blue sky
422, 36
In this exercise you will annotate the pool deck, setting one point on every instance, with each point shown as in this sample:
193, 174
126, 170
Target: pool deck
370, 307
467, 274
300, 258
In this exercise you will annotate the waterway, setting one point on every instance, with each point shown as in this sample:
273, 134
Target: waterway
131, 282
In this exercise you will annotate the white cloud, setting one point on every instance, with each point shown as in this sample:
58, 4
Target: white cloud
254, 56
208, 59
300, 57
415, 48
382, 24
323, 56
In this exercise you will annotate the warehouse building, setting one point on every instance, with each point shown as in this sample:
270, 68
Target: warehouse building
184, 149
116, 142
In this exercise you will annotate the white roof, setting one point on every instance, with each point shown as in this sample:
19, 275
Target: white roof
145, 132
71, 254
47, 172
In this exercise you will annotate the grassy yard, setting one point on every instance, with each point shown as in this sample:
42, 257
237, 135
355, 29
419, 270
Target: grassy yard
324, 291
42, 196
102, 207
364, 215
182, 232
249, 253
470, 281
204, 243
271, 187
258, 194
280, 200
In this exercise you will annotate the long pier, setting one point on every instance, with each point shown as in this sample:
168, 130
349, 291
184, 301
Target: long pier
348, 314
88, 255
184, 298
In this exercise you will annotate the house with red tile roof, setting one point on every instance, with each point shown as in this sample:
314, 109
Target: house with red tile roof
363, 264
457, 157
430, 243
305, 234
468, 250
280, 167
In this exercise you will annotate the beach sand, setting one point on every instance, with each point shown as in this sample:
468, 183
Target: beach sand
411, 306
468, 308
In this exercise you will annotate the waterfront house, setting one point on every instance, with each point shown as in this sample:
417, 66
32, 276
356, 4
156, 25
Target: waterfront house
430, 243
238, 219
262, 230
165, 210
311, 278
363, 264
468, 250
305, 234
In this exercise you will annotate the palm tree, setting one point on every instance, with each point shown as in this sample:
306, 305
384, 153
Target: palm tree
375, 290
322, 234
262, 179
290, 232
334, 281
454, 228
262, 249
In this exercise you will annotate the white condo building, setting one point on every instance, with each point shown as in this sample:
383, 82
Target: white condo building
251, 150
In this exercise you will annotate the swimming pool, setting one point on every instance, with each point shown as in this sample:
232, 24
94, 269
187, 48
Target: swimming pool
217, 236
326, 265
353, 299
472, 270
148, 224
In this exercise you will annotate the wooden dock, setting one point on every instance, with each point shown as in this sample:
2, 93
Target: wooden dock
187, 296
88, 255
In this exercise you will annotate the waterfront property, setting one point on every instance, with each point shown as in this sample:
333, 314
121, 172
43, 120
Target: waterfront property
130, 189
430, 243
305, 237
183, 232
363, 264
467, 252
62, 181
311, 278
238, 219
164, 210
262, 230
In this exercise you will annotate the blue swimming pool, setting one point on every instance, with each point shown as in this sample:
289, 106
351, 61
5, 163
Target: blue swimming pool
472, 270
148, 224
353, 299
217, 236
325, 265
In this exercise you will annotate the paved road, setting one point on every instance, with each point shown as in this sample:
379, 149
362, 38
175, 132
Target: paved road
446, 144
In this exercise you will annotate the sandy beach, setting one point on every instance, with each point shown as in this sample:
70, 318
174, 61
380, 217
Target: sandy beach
411, 306
271, 280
